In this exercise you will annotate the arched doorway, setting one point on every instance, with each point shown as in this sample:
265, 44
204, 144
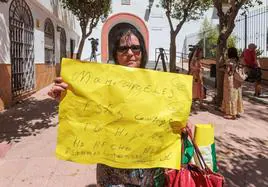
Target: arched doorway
49, 42
111, 37
21, 47
126, 19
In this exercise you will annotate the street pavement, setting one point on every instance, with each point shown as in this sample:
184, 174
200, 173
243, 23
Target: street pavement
28, 133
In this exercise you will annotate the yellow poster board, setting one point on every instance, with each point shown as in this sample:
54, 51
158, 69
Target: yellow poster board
121, 116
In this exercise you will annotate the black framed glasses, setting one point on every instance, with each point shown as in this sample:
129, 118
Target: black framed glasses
134, 48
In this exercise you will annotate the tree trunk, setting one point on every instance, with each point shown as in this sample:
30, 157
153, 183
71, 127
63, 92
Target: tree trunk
172, 52
226, 26
221, 54
80, 48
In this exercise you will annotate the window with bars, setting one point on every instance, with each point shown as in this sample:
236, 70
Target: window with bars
125, 2
49, 42
21, 47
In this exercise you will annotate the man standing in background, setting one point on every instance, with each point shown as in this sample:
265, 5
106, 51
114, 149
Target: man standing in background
254, 70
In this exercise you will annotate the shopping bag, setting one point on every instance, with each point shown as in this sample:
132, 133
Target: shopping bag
239, 74
191, 175
204, 139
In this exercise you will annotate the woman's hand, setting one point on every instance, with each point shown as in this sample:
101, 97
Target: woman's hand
179, 127
58, 87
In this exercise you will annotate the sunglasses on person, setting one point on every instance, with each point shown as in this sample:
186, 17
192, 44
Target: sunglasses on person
134, 48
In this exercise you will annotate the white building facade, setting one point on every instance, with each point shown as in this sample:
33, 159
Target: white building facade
34, 36
148, 17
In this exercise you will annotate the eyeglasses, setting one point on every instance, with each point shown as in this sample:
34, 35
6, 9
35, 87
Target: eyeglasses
134, 48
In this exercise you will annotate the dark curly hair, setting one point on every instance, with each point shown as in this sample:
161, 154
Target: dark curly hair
232, 53
135, 32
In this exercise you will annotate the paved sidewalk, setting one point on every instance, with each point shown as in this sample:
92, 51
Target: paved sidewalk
241, 145
28, 140
30, 129
247, 88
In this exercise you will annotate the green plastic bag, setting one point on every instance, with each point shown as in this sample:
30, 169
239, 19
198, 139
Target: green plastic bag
188, 151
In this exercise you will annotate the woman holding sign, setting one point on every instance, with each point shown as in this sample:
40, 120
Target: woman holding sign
129, 50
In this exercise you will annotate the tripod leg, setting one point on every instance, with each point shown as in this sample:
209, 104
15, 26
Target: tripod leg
156, 62
164, 64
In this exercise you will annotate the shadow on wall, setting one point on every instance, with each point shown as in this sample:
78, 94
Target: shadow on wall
27, 119
66, 16
243, 161
55, 7
4, 41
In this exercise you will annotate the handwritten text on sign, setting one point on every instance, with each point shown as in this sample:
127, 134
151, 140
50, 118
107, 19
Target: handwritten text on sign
122, 116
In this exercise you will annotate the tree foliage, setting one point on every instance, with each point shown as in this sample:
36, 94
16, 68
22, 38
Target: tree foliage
227, 17
210, 33
227, 11
183, 11
88, 13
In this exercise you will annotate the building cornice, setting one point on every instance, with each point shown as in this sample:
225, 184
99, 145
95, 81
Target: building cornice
52, 16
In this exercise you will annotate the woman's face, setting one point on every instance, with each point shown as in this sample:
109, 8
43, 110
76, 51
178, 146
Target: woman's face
129, 51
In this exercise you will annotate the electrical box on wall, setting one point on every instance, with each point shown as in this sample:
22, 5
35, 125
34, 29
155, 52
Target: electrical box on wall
125, 2
37, 23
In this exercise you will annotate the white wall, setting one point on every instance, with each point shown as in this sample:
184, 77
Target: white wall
158, 26
55, 8
63, 19
40, 11
4, 34
137, 7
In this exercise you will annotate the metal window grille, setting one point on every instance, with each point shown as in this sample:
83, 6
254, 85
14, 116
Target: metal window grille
49, 42
21, 47
253, 28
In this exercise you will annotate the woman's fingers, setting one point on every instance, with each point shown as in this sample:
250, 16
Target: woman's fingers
62, 85
58, 80
58, 87
56, 90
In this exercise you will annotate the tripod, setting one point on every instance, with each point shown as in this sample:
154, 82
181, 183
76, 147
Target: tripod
163, 56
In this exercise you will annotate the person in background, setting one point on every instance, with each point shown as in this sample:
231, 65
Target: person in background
232, 103
129, 51
253, 67
196, 71
94, 49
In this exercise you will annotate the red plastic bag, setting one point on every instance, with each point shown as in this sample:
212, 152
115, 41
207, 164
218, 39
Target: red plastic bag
191, 175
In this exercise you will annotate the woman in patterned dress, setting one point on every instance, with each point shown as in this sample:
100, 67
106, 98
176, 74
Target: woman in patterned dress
196, 71
232, 104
